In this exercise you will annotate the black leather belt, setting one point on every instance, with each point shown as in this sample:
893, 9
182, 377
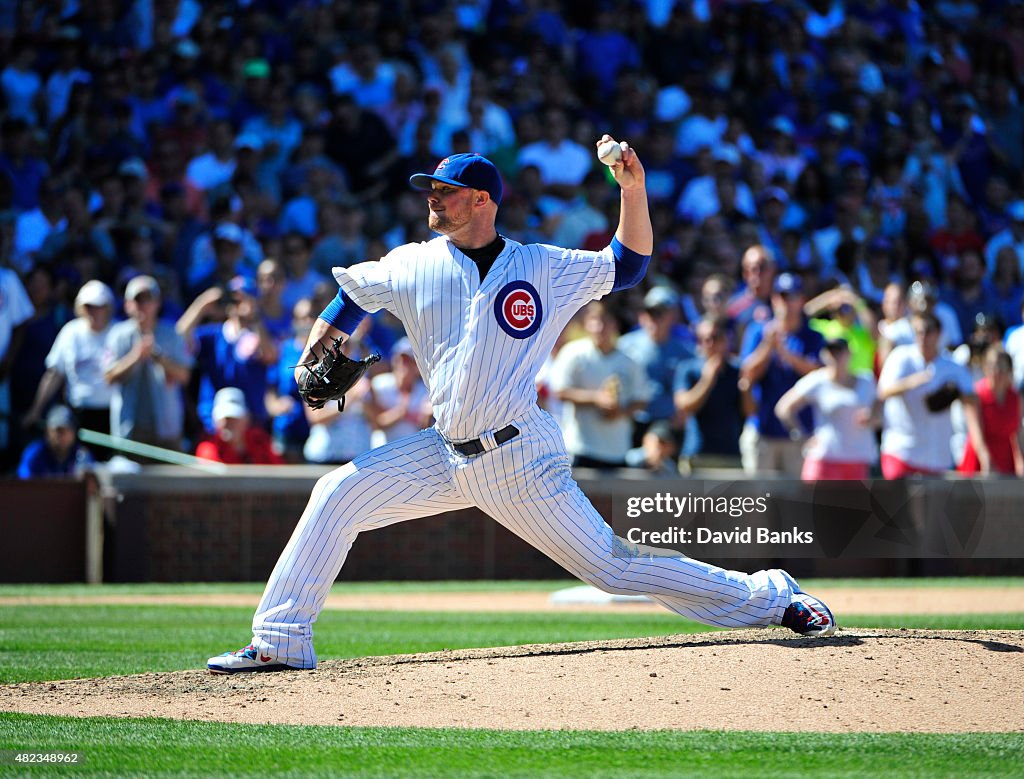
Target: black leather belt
476, 446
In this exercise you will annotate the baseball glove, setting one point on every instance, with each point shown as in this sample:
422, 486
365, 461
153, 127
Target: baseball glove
329, 376
942, 398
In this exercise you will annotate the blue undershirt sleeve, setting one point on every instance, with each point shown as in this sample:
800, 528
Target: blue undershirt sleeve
630, 267
343, 313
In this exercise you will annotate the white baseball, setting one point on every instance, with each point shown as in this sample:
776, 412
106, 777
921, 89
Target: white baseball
610, 152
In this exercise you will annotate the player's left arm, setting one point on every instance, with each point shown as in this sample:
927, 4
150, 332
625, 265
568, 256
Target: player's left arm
337, 321
634, 237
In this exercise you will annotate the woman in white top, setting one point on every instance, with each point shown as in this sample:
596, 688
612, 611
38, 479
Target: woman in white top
336, 437
76, 360
845, 411
398, 403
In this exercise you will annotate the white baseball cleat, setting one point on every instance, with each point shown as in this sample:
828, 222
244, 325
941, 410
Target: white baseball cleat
245, 660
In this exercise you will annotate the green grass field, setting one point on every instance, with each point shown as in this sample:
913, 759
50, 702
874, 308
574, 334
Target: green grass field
64, 641
210, 749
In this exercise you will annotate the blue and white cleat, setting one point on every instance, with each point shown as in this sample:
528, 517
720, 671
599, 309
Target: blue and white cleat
809, 616
245, 660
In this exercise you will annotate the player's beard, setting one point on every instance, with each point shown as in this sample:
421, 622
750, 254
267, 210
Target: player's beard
447, 221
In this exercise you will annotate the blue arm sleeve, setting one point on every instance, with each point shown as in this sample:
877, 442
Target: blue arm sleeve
343, 313
630, 267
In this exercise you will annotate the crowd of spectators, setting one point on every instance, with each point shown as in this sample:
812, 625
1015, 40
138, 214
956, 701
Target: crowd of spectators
179, 178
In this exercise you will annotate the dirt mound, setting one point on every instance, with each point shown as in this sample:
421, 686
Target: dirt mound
858, 680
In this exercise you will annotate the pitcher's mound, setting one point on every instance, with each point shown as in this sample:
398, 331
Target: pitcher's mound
857, 680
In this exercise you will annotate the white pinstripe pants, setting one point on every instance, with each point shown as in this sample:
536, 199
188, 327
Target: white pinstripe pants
527, 486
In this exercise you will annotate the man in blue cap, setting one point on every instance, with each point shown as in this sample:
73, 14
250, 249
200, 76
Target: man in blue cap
774, 355
58, 453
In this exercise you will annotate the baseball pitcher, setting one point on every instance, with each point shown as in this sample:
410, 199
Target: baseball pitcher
482, 312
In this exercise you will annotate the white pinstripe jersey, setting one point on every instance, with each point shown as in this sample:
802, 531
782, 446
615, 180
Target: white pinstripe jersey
478, 345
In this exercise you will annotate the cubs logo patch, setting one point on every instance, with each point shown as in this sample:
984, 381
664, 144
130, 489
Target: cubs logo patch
518, 309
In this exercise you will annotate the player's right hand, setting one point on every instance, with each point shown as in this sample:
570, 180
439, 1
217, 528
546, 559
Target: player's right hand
628, 171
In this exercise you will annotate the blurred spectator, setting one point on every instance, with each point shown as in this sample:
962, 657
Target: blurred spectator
702, 126
490, 127
1013, 342
335, 436
968, 295
563, 163
15, 313
233, 353
398, 404
21, 84
1004, 116
753, 302
775, 354
601, 388
932, 173
341, 238
1010, 236
843, 445
146, 364
718, 191
218, 256
894, 328
985, 332
916, 435
270, 282
58, 453
923, 298
216, 165
850, 320
707, 394
666, 172
403, 112
40, 331
844, 228
77, 231
1007, 287
235, 441
657, 452
871, 276
317, 188
1000, 414
278, 132
957, 233
771, 206
587, 212
289, 427
714, 297
75, 363
301, 278
781, 155
451, 84
603, 51
361, 144
33, 226
19, 163
658, 349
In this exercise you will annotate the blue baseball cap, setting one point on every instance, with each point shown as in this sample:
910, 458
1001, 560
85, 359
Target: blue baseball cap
463, 170
788, 283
